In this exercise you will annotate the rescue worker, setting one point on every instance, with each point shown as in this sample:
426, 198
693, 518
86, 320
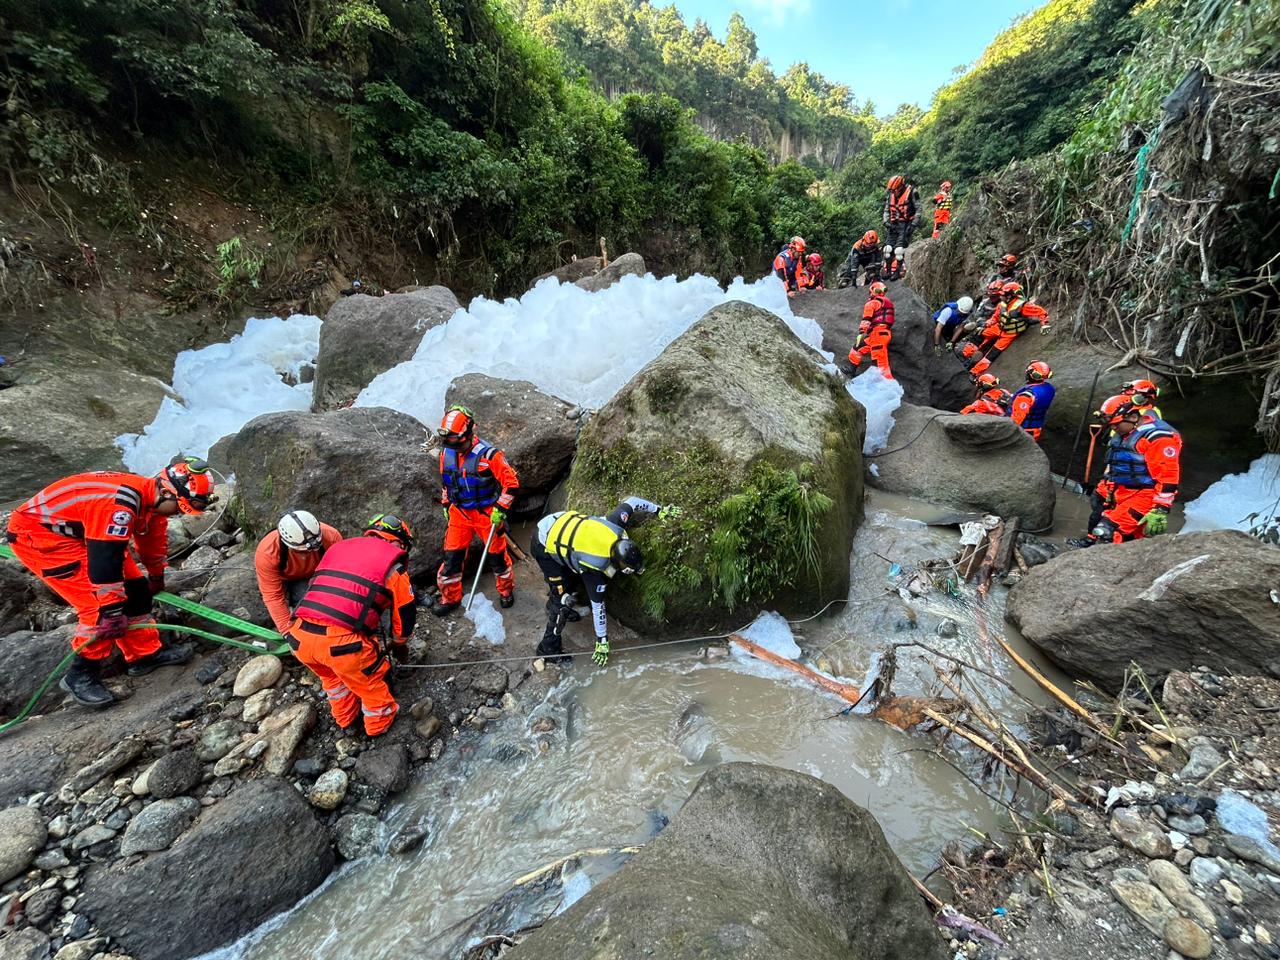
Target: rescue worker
901, 207
949, 321
987, 381
335, 632
787, 262
986, 306
815, 278
942, 207
875, 331
1031, 401
570, 546
1100, 496
285, 560
478, 488
862, 266
1143, 394
994, 402
1143, 472
76, 534
1011, 318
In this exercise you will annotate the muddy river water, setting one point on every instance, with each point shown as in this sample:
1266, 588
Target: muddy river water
630, 743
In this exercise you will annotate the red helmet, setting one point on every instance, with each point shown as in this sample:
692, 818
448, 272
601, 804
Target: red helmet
946, 184
798, 244
877, 289
1038, 371
1114, 409
187, 480
815, 259
1143, 387
390, 528
457, 427
987, 381
1008, 260
871, 238
895, 182
1010, 289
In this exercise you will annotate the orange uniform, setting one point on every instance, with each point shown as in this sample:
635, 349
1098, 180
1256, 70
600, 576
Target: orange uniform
1005, 326
1143, 471
75, 535
358, 581
473, 483
874, 334
277, 565
941, 210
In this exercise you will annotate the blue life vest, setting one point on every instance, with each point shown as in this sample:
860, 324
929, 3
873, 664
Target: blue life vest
469, 489
956, 315
786, 264
1126, 467
1043, 394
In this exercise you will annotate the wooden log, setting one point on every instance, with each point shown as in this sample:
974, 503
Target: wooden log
846, 691
1008, 541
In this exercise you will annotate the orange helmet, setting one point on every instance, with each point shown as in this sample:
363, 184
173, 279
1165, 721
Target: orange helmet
1011, 289
798, 244
457, 427
871, 238
1144, 387
877, 289
895, 182
187, 480
1038, 371
1114, 409
1008, 260
987, 381
390, 528
994, 289
815, 259
946, 184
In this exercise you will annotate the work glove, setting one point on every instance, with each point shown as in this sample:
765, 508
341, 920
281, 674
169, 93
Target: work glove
399, 651
858, 340
497, 516
1044, 329
445, 508
670, 512
156, 582
950, 347
937, 349
601, 655
1155, 522
112, 626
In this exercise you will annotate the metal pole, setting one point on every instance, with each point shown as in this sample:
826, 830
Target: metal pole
476, 583
1075, 447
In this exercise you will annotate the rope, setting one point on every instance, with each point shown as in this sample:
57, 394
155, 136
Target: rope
1139, 185
885, 453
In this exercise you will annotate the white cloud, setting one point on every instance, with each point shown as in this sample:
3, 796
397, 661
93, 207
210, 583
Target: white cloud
777, 12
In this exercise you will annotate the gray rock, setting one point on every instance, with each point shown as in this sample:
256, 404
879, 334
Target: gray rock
329, 790
276, 742
258, 674
218, 739
158, 825
175, 773
739, 409
43, 906
407, 838
1203, 761
1192, 826
1205, 871
629, 264
972, 463
363, 336
81, 949
1174, 885
51, 860
201, 560
26, 658
572, 271
22, 834
493, 682
1188, 938
760, 862
25, 944
95, 834
254, 853
1205, 590
258, 706
1151, 907
1137, 833
232, 586
384, 768
122, 754
1247, 848
17, 592
358, 835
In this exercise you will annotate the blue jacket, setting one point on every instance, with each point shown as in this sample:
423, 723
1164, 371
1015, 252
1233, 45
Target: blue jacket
1042, 393
1126, 466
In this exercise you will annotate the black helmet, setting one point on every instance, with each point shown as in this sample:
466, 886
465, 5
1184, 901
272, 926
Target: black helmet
390, 528
626, 556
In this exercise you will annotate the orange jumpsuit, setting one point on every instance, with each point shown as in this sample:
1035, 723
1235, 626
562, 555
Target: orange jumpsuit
1004, 327
473, 484
983, 405
277, 565
350, 663
1143, 471
941, 211
876, 330
75, 536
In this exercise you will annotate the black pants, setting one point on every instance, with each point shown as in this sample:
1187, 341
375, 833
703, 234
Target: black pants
560, 581
900, 233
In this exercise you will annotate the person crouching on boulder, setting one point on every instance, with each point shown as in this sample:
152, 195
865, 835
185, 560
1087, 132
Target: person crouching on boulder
285, 560
335, 630
1010, 320
570, 547
994, 402
875, 331
76, 534
788, 262
814, 277
949, 321
1031, 401
478, 488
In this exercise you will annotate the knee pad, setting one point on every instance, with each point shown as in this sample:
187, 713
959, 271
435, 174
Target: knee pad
453, 562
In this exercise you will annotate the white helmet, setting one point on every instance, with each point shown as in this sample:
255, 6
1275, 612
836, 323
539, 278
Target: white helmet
888, 250
299, 530
965, 304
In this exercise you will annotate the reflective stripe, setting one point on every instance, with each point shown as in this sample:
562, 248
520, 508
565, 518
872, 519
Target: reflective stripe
379, 712
343, 649
340, 692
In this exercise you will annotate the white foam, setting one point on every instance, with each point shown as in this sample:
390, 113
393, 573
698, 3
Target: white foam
225, 385
771, 631
1227, 504
488, 620
880, 396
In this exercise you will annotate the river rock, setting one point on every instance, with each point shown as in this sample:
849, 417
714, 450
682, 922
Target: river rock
93, 835
122, 754
22, 834
760, 862
1174, 885
627, 265
258, 674
972, 463
728, 413
17, 593
532, 428
218, 739
1249, 848
254, 853
1188, 938
1207, 591
276, 742
1137, 833
43, 906
158, 825
81, 949
25, 944
386, 768
1204, 760
572, 271
26, 658
283, 459
1192, 826
363, 336
174, 773
358, 835
258, 705
1205, 871
328, 791
1144, 901
493, 682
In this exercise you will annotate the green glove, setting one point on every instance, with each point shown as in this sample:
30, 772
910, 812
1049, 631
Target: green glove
857, 341
445, 508
1156, 522
601, 655
937, 349
497, 516
670, 512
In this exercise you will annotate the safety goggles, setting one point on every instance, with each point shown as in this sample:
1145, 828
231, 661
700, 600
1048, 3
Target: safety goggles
449, 435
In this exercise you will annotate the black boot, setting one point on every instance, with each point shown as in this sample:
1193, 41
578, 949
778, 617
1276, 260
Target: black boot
551, 650
1080, 542
82, 682
506, 601
442, 609
164, 657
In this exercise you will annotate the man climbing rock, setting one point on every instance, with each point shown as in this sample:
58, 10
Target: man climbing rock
862, 266
479, 486
285, 560
942, 207
76, 534
901, 208
875, 331
788, 262
336, 629
815, 278
949, 321
994, 402
570, 547
1031, 401
1014, 314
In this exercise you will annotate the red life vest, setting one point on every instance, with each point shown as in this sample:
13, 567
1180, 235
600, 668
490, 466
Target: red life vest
881, 314
900, 205
349, 589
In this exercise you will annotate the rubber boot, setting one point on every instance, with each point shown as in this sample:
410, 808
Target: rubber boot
506, 600
164, 657
442, 609
1080, 542
83, 683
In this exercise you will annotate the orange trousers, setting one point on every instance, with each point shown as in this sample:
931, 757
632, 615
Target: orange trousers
62, 564
1002, 344
876, 346
1131, 505
352, 671
465, 526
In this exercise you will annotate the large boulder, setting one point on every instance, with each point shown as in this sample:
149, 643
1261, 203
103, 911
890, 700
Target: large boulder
760, 864
573, 271
232, 587
925, 378
627, 265
532, 428
17, 592
363, 336
970, 462
735, 422
254, 853
26, 659
344, 466
1168, 603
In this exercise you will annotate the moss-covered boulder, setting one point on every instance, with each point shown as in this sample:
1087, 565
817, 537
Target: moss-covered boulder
737, 423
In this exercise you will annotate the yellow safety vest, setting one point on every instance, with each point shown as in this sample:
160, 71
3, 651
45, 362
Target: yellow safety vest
583, 541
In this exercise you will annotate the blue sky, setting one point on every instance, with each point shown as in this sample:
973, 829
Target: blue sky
862, 43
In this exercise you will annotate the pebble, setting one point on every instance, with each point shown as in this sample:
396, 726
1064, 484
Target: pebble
159, 825
208, 672
543, 725
329, 790
948, 629
308, 767
258, 674
408, 838
492, 682
91, 835
59, 826
436, 749
1188, 938
1192, 826
1184, 856
1205, 871
1204, 760
118, 820
1262, 935
1233, 893
258, 705
429, 727
52, 860
1130, 828
422, 709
